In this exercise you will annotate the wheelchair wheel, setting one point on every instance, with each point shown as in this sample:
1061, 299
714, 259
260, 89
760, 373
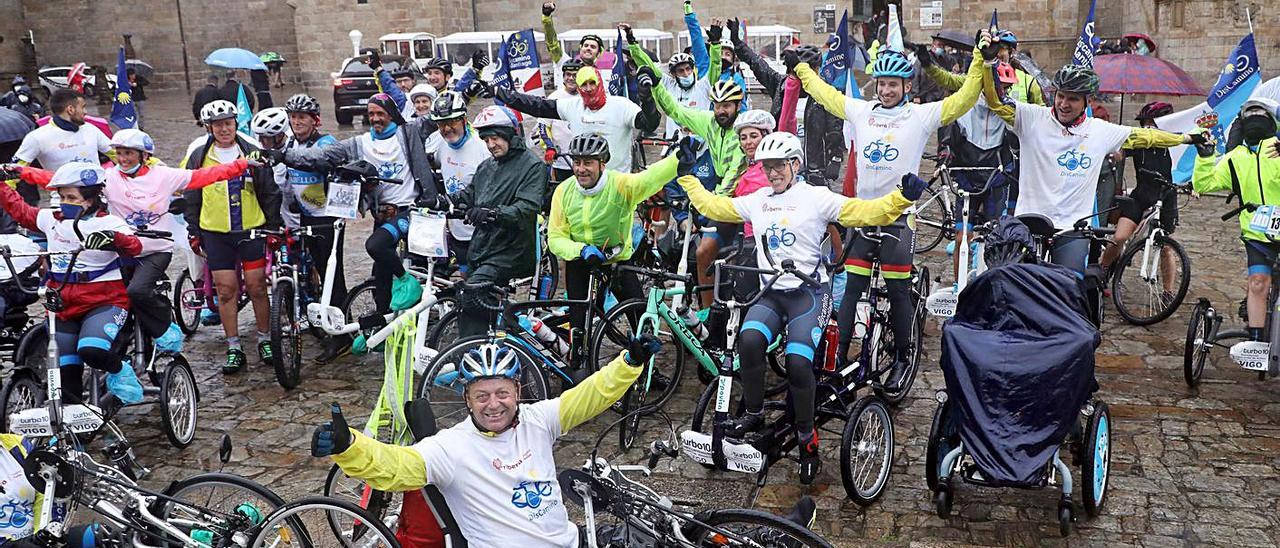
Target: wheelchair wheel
866, 450
286, 336
186, 303
21, 391
943, 438
383, 505
304, 522
1195, 351
178, 402
1096, 471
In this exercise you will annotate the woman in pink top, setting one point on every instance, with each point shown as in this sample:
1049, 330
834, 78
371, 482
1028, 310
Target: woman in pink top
140, 194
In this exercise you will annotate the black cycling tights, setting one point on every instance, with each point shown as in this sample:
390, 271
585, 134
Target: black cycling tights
900, 310
381, 247
804, 312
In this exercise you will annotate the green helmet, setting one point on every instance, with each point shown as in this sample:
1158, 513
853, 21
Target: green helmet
1076, 79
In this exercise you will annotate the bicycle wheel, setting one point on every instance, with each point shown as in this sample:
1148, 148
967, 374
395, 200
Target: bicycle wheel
1195, 350
742, 527
20, 391
304, 522
866, 450
215, 491
611, 339
443, 385
548, 269
187, 303
445, 330
932, 221
885, 354
360, 302
286, 337
1143, 300
381, 505
179, 401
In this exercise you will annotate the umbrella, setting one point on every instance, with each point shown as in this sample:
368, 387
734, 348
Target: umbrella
1151, 44
100, 123
958, 38
1126, 73
271, 57
14, 125
143, 68
234, 58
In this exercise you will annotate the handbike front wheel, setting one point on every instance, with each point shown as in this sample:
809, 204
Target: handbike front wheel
866, 450
303, 523
225, 493
741, 527
1143, 300
179, 402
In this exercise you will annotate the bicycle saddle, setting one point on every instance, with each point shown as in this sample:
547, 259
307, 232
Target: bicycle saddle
1039, 225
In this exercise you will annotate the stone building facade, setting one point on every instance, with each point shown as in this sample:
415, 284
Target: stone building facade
312, 34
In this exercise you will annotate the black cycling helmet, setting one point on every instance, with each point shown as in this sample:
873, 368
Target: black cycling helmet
589, 145
302, 102
448, 105
441, 64
809, 54
1076, 79
571, 65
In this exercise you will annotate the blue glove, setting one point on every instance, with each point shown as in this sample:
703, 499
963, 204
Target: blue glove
592, 255
913, 186
333, 437
641, 349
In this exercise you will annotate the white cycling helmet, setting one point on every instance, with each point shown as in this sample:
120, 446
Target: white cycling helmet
489, 361
78, 174
497, 116
135, 139
217, 110
270, 122
756, 118
423, 89
779, 146
678, 59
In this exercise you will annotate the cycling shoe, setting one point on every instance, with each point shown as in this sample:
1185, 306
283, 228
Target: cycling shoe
810, 462
749, 423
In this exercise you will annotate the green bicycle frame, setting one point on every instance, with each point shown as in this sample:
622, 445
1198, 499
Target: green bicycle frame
657, 309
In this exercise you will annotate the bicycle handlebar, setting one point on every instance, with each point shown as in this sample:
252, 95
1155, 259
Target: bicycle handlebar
661, 275
1228, 215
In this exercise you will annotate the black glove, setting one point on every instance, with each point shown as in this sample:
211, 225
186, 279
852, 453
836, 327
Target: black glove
988, 48
630, 34
268, 156
713, 34
687, 155
923, 54
645, 78
548, 8
641, 349
103, 240
421, 419
791, 58
333, 437
437, 202
374, 59
1199, 137
479, 60
480, 88
913, 186
480, 216
733, 31
7, 174
1206, 150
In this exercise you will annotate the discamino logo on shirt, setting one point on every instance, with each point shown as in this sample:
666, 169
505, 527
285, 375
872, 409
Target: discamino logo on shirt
529, 494
390, 170
777, 236
141, 218
1074, 159
879, 151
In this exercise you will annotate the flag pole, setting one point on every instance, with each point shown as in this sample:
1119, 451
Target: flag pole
1248, 17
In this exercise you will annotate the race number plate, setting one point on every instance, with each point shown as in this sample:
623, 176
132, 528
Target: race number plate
342, 201
942, 303
1266, 219
743, 457
1251, 355
426, 235
35, 421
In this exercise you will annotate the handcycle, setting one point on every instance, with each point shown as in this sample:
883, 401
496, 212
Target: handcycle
174, 385
1150, 278
23, 339
1203, 332
645, 518
866, 447
1045, 236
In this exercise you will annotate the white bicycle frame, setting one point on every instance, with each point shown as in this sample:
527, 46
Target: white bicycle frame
942, 302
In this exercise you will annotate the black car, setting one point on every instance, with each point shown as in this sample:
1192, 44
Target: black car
353, 87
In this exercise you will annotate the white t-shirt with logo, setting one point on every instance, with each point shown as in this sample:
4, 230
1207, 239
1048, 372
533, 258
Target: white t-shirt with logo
502, 490
392, 163
889, 142
456, 168
616, 121
791, 225
53, 146
17, 511
697, 97
1058, 176
62, 237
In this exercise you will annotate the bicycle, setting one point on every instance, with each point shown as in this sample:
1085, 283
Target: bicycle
1163, 268
1262, 357
293, 291
866, 447
649, 519
968, 246
190, 298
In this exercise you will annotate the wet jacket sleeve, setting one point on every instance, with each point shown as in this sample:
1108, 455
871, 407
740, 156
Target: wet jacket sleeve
597, 393
388, 86
204, 177
36, 176
383, 466
1004, 109
553, 43
958, 103
1141, 137
829, 97
559, 240
945, 79
1209, 176
697, 121
697, 44
770, 79
321, 158
23, 214
878, 212
636, 187
649, 118
532, 105
642, 60
790, 98
715, 207
126, 244
528, 198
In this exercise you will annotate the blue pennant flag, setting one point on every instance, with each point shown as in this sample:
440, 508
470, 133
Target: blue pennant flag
1088, 42
836, 63
244, 113
1240, 76
123, 113
618, 79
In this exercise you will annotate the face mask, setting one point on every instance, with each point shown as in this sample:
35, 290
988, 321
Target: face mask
1256, 128
686, 81
71, 211
939, 51
594, 101
132, 170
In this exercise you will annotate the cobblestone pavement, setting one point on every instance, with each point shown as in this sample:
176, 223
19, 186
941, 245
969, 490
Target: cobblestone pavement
1190, 467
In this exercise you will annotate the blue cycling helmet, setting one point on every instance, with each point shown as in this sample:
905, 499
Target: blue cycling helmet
1007, 37
489, 361
892, 64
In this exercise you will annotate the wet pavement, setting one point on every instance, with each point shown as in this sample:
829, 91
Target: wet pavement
1190, 467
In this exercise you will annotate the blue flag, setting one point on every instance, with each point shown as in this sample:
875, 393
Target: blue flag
618, 79
502, 76
836, 63
244, 113
521, 63
123, 113
1241, 74
1088, 42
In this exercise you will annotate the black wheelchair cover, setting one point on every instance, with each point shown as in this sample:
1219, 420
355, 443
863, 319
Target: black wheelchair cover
1018, 357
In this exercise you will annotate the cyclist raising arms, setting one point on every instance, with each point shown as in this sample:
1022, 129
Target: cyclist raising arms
790, 220
893, 133
482, 464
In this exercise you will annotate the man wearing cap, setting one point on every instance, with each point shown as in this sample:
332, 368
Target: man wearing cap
396, 148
